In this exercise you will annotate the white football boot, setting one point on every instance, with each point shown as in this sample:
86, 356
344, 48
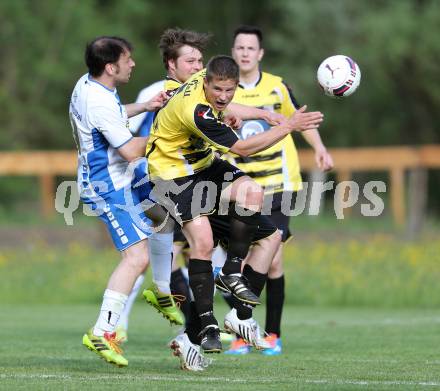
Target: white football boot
248, 329
189, 354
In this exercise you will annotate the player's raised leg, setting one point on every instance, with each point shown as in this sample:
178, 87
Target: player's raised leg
246, 199
201, 280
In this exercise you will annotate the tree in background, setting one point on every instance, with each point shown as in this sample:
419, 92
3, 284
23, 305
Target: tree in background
394, 43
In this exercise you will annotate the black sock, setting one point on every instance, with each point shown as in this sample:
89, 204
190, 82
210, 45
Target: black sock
256, 284
179, 286
228, 298
241, 233
193, 326
256, 279
201, 281
274, 305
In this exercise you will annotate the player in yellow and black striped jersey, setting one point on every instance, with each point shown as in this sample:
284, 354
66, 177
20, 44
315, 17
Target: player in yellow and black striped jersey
180, 151
184, 136
268, 167
182, 56
277, 169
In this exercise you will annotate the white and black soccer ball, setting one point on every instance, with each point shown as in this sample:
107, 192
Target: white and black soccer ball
339, 76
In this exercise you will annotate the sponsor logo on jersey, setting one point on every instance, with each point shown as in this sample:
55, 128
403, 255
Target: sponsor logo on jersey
205, 114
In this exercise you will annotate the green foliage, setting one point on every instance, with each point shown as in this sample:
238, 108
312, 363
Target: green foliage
77, 273
395, 44
381, 271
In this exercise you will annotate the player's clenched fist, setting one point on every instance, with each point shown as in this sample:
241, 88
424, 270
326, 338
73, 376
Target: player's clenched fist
157, 101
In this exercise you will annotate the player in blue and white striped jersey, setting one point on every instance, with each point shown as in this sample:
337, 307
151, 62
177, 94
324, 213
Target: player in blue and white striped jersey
110, 164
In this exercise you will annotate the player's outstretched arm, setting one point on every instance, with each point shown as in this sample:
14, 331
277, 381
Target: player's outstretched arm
299, 121
247, 112
155, 103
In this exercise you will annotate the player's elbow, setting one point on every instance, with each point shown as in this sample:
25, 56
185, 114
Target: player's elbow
240, 150
133, 149
243, 153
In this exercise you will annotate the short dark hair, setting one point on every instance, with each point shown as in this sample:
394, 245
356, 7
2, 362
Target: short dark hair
245, 29
104, 50
173, 39
223, 68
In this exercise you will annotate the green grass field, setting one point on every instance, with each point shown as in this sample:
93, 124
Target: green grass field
362, 313
324, 349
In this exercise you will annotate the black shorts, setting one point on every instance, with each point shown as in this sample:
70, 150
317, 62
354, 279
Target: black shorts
179, 237
277, 217
220, 226
281, 221
202, 192
220, 229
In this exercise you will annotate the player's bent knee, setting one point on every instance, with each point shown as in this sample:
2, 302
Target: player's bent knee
254, 198
136, 258
138, 262
276, 266
202, 249
275, 239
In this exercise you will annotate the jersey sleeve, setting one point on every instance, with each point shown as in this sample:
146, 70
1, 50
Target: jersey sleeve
112, 125
289, 104
215, 132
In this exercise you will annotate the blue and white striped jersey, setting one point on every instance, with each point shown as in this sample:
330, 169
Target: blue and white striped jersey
100, 126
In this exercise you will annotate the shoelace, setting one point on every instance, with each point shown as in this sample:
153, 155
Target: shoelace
178, 299
113, 342
266, 338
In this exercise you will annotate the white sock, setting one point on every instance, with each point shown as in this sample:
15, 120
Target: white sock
164, 286
218, 259
160, 246
123, 320
112, 306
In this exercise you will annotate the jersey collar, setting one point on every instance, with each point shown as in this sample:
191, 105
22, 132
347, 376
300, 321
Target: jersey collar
89, 78
173, 79
251, 85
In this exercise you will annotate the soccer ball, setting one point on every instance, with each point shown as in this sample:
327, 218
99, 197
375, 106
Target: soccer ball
339, 76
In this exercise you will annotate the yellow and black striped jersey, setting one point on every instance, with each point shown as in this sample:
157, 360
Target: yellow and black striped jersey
140, 124
185, 132
171, 85
276, 168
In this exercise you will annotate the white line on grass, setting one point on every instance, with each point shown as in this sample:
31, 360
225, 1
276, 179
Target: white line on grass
374, 382
365, 322
131, 377
200, 379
